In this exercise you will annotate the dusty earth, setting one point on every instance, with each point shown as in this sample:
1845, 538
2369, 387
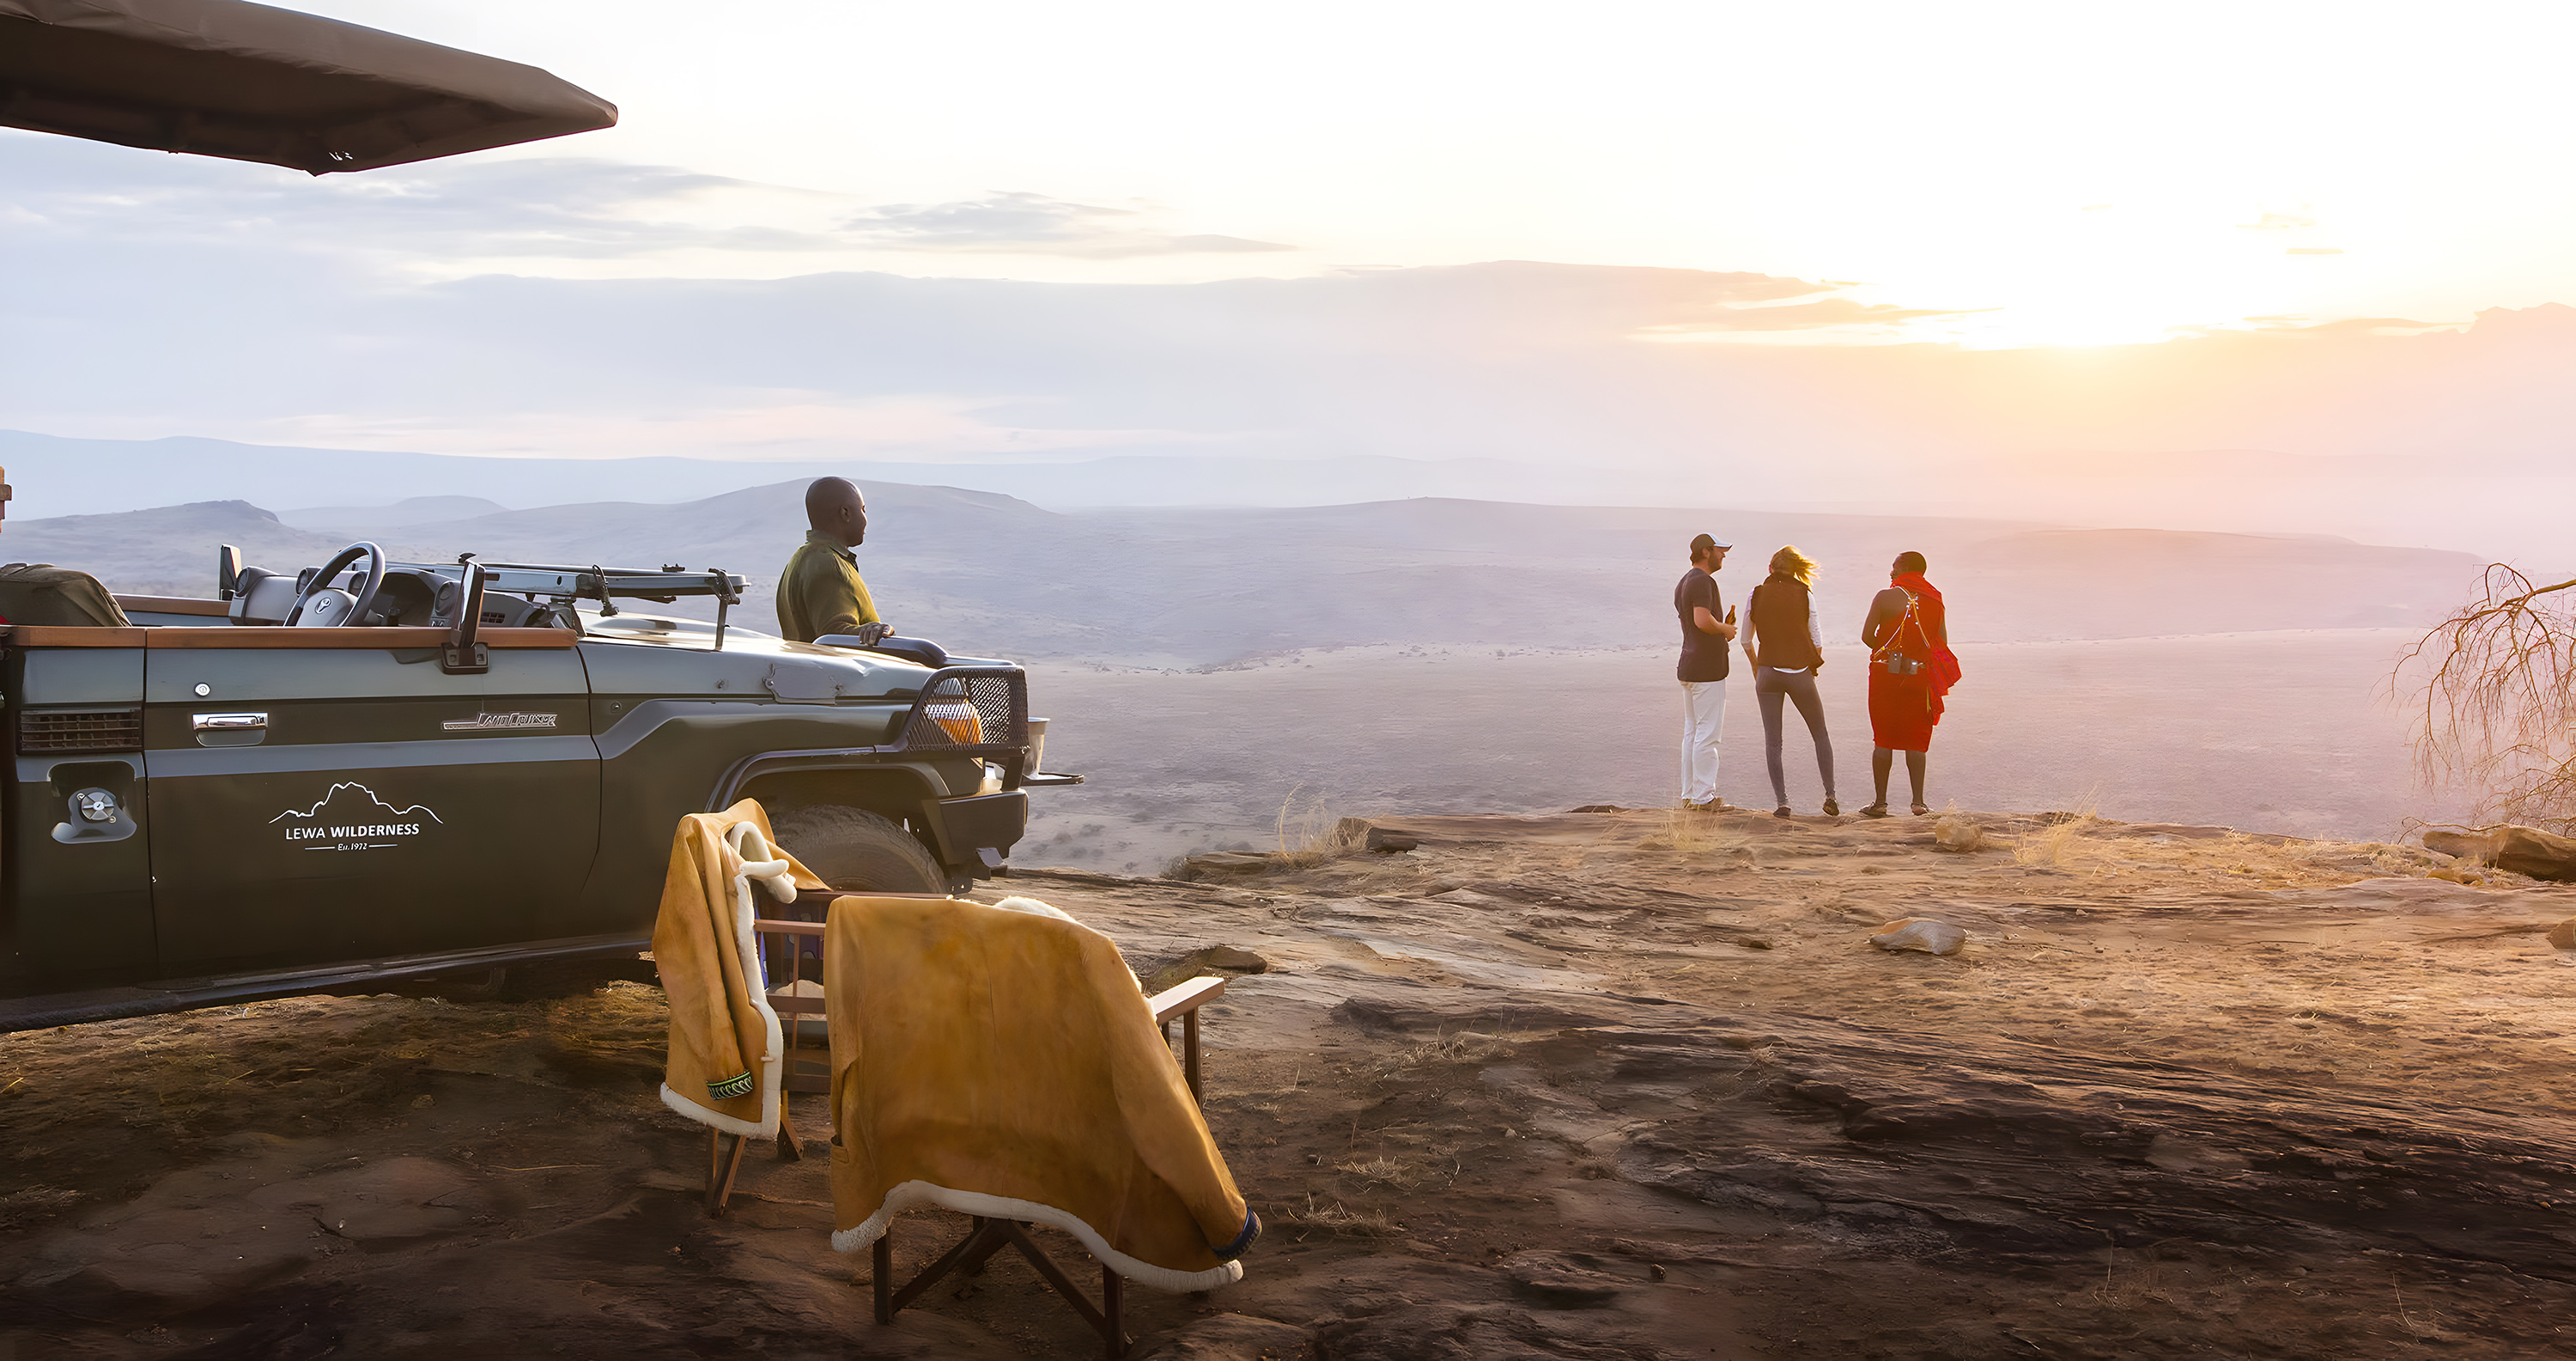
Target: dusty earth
1594, 1085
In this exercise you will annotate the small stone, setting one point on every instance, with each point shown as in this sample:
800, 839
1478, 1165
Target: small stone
1920, 933
2563, 935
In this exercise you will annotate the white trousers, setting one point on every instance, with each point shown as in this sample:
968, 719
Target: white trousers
1703, 718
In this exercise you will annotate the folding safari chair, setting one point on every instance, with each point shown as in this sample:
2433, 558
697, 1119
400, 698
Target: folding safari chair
989, 1236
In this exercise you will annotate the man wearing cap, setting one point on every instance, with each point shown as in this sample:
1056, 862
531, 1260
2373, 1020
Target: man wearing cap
1705, 635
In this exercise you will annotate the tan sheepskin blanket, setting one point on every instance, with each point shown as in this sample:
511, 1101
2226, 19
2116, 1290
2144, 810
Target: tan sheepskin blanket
1004, 1063
725, 1046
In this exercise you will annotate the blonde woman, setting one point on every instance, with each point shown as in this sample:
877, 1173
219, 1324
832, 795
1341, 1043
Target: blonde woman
1781, 641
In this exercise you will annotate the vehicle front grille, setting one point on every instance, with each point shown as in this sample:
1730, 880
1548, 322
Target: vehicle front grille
90, 730
974, 711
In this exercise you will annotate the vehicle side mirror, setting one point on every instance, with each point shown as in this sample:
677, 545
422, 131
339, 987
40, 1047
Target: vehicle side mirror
228, 567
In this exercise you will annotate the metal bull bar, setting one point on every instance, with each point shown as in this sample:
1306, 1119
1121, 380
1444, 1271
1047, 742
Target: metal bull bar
977, 711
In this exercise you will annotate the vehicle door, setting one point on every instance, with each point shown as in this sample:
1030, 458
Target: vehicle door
317, 795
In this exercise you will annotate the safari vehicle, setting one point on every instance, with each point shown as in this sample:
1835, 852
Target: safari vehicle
364, 770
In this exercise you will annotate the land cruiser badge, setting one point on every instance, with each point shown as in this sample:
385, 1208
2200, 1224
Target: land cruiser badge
353, 817
492, 722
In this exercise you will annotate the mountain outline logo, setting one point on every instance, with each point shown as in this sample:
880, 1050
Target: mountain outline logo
305, 831
372, 797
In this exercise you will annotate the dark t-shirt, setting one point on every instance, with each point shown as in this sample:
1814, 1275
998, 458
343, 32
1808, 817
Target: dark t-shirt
1703, 654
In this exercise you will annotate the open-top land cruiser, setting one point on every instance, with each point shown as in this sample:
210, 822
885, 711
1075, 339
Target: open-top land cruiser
368, 770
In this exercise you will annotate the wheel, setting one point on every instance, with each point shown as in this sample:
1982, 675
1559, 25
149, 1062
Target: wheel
858, 851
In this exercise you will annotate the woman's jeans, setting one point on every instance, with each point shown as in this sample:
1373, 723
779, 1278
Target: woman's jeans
1769, 688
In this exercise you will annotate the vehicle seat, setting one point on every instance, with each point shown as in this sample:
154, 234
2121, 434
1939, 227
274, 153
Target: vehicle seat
41, 593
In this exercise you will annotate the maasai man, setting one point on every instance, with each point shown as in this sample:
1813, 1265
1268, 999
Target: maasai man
1911, 670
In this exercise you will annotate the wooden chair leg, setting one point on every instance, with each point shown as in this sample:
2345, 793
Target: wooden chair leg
789, 1149
1108, 1328
881, 1254
975, 1249
973, 1245
1113, 1308
976, 1261
720, 1188
1190, 1054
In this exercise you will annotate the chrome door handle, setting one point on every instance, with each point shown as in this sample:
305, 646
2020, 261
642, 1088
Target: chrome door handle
230, 722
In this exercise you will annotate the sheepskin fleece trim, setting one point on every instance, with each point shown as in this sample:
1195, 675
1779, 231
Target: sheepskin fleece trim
717, 1120
1033, 907
709, 957
1004, 1063
917, 1193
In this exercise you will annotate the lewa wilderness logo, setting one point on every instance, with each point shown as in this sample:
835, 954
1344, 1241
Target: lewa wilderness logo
499, 722
353, 817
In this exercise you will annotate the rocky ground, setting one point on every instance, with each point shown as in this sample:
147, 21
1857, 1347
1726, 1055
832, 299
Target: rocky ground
1596, 1085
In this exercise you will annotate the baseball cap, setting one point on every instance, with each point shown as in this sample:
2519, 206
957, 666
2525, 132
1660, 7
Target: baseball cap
1704, 543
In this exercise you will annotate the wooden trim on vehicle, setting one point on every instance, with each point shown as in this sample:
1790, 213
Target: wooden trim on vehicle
290, 638
74, 635
174, 604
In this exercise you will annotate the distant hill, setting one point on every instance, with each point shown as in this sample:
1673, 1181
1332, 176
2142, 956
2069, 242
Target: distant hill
993, 575
56, 475
416, 510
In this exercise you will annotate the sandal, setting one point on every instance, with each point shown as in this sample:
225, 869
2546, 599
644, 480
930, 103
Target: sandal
1780, 812
1832, 809
1922, 810
1875, 810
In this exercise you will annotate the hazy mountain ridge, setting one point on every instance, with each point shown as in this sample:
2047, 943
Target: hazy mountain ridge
992, 575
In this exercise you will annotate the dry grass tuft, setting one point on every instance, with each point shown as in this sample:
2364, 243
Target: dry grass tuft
1401, 1175
1464, 1047
1338, 1218
1309, 834
1693, 833
2065, 841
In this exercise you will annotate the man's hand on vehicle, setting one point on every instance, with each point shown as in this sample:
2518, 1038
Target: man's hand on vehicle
872, 634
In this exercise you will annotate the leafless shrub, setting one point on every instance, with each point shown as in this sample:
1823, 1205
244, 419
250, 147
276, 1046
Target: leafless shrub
2498, 714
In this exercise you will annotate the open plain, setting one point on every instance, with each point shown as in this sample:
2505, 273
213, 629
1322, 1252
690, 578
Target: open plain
1597, 1085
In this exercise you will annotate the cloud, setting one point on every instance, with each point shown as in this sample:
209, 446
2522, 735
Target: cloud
2277, 222
1815, 314
1033, 224
467, 216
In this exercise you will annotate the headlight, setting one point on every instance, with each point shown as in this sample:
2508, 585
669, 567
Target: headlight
958, 719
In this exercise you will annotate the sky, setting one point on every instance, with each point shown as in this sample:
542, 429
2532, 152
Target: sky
1803, 254
2005, 174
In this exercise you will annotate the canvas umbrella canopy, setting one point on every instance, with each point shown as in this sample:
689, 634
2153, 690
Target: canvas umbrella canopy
253, 83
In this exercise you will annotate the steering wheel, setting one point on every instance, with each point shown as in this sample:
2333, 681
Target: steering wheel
366, 597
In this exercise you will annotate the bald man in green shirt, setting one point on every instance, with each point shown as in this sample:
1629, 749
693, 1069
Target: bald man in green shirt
820, 593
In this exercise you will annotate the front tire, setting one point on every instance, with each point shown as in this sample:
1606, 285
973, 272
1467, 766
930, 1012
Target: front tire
857, 851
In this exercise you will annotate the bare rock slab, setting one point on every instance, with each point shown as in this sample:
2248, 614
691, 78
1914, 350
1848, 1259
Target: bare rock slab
1920, 933
2519, 850
1233, 1337
1229, 864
